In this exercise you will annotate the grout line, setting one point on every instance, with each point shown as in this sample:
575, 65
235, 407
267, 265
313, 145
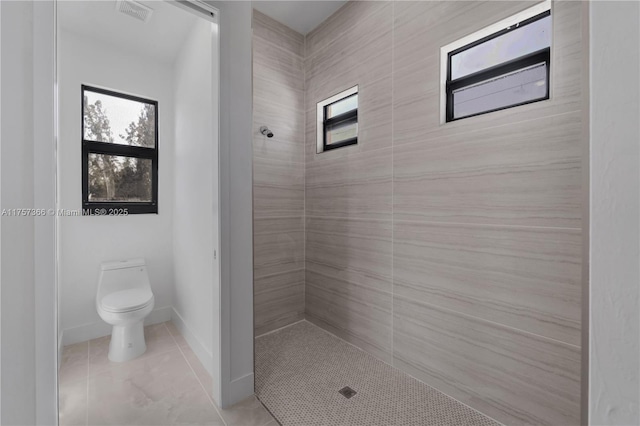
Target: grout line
489, 225
273, 417
436, 222
304, 181
204, 389
279, 329
393, 26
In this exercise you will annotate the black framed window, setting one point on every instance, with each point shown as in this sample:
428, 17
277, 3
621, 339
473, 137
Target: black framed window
506, 69
338, 120
119, 153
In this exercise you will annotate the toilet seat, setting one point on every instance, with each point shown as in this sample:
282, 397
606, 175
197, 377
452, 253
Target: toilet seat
127, 300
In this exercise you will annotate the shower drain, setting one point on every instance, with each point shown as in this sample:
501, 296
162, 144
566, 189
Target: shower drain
347, 392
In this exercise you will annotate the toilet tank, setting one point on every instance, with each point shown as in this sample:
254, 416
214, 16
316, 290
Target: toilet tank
122, 275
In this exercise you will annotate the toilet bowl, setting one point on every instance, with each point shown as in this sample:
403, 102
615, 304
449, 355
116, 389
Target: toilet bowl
123, 300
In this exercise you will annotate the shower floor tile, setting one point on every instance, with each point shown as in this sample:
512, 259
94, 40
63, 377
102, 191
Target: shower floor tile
166, 386
301, 368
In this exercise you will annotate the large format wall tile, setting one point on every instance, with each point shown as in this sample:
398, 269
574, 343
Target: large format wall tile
279, 300
514, 377
353, 250
356, 185
340, 23
278, 188
525, 278
365, 56
525, 173
359, 314
274, 63
278, 174
278, 245
273, 31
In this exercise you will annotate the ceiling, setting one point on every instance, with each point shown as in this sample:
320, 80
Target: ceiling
302, 15
160, 38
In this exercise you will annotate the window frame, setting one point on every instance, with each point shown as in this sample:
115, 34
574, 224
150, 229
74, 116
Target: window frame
502, 27
346, 117
95, 147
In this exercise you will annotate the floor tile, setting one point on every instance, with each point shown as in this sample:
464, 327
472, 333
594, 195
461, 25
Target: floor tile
158, 390
175, 333
72, 403
301, 368
200, 371
248, 412
74, 363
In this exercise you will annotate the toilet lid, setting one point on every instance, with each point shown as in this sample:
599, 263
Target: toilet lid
127, 300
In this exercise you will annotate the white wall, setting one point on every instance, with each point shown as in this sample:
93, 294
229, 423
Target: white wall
236, 204
17, 332
614, 368
85, 242
195, 217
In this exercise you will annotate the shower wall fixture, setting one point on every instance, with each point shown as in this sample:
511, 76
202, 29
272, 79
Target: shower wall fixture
264, 130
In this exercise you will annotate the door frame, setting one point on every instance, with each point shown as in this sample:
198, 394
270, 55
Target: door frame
233, 349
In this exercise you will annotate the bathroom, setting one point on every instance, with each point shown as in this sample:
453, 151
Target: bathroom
316, 212
144, 249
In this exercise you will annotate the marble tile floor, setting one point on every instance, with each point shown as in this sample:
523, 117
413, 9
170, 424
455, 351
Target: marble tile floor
301, 368
167, 385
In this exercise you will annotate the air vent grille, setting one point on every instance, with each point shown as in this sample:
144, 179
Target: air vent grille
134, 9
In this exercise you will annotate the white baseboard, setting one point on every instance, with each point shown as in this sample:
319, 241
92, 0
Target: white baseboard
90, 331
203, 354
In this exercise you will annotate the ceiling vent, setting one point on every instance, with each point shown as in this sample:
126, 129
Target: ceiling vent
134, 9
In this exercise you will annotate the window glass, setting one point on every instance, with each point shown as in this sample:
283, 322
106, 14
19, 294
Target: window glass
116, 178
527, 39
342, 106
514, 88
341, 132
118, 120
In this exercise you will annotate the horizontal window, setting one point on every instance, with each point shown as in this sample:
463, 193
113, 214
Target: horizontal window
119, 152
503, 69
338, 120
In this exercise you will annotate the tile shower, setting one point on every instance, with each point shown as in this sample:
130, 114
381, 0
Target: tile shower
452, 252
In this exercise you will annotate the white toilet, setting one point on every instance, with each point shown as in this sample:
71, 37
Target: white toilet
124, 299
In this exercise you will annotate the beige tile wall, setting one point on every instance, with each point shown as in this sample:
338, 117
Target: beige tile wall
278, 174
452, 251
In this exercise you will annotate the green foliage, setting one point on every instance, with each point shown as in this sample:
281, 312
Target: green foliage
117, 178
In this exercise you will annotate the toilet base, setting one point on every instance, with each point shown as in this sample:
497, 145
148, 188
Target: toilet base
127, 342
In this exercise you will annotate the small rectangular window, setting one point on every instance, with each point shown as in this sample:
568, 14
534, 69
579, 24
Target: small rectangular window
338, 120
506, 68
119, 152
